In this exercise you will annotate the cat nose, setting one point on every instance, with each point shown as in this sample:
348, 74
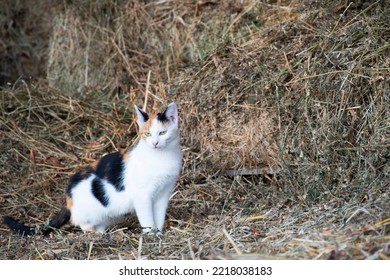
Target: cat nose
155, 143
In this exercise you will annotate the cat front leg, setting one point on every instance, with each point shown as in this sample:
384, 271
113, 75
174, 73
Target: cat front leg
144, 211
160, 206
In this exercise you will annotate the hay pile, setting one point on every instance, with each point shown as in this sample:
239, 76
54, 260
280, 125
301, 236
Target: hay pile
291, 98
313, 100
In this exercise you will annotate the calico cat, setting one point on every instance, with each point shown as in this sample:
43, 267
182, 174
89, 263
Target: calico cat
140, 180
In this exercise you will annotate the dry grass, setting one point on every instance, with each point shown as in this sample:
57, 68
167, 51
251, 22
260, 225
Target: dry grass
301, 87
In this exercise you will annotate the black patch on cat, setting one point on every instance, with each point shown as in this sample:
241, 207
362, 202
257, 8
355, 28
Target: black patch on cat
162, 117
99, 191
144, 114
78, 177
110, 168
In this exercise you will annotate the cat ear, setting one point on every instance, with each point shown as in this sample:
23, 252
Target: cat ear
171, 113
142, 116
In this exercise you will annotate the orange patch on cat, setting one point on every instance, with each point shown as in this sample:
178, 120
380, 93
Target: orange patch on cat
125, 156
94, 164
146, 126
69, 202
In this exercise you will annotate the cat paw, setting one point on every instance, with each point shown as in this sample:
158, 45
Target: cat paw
151, 231
147, 230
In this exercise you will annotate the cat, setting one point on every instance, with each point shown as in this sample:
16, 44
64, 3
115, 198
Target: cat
139, 180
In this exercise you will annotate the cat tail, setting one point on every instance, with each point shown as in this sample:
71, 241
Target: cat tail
58, 221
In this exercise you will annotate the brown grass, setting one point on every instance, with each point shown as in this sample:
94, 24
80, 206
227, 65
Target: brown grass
299, 88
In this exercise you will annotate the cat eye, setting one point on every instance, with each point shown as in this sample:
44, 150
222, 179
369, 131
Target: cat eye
148, 134
163, 132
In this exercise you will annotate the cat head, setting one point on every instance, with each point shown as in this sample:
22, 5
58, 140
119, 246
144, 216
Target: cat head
160, 130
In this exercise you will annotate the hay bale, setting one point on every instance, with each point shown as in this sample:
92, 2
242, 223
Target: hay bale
79, 57
24, 37
112, 46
